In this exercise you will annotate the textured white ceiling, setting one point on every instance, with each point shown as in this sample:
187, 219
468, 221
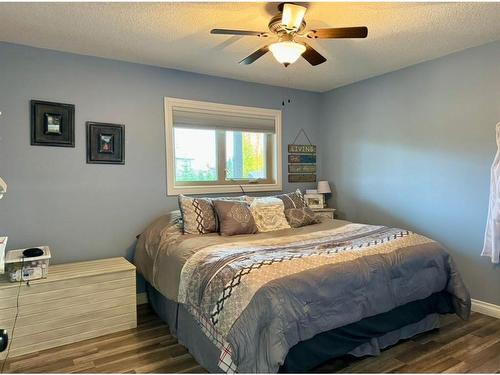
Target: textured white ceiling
176, 35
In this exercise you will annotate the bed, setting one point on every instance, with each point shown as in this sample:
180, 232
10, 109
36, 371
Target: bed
289, 300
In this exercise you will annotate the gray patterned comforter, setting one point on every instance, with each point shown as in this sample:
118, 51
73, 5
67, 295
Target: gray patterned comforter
258, 298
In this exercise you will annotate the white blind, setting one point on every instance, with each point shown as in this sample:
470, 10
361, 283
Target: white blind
220, 120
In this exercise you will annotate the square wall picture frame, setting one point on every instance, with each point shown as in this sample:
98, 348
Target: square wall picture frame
52, 124
105, 143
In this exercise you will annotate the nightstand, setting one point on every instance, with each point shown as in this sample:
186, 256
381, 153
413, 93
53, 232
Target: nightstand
324, 213
77, 301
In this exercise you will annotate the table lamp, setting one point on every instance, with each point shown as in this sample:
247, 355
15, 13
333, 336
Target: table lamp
324, 188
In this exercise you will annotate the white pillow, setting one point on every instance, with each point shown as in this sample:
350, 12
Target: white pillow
269, 214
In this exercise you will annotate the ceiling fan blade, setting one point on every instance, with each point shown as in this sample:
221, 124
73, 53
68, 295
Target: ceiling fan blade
339, 32
312, 56
292, 16
238, 32
254, 56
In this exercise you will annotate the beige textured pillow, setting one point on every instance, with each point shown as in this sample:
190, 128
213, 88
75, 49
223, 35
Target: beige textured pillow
268, 213
234, 217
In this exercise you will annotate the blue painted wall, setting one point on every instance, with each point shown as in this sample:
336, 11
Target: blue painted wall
86, 211
413, 148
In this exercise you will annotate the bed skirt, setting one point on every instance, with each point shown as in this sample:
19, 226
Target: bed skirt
311, 353
186, 329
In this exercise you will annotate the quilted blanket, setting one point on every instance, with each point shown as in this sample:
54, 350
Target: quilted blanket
257, 299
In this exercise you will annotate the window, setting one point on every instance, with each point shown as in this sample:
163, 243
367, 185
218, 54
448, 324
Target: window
195, 153
216, 148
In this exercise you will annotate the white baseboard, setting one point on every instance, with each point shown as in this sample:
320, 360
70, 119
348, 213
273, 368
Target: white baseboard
142, 298
486, 308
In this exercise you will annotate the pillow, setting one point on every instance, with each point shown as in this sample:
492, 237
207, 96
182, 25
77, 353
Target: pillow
198, 215
237, 198
234, 217
293, 200
268, 213
300, 217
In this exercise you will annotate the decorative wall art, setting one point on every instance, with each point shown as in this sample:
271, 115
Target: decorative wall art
301, 161
105, 143
52, 124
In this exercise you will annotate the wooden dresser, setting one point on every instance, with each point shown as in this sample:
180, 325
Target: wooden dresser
77, 301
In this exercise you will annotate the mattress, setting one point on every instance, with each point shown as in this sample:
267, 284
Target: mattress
255, 297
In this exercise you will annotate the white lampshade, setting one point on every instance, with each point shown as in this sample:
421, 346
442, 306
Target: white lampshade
287, 52
324, 187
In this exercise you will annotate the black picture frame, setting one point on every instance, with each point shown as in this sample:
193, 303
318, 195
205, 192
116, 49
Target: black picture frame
52, 124
105, 143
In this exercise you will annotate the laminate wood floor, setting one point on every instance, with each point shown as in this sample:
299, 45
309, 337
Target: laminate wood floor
472, 346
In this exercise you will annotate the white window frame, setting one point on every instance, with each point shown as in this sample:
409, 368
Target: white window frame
173, 189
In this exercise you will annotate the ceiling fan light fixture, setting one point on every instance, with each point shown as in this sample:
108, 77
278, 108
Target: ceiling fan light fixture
292, 16
287, 52
286, 25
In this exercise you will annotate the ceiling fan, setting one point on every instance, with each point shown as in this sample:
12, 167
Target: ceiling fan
288, 25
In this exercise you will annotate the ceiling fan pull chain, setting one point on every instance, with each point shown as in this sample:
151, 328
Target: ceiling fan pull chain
288, 80
284, 92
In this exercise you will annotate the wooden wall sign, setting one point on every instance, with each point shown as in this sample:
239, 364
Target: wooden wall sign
301, 163
301, 177
301, 168
301, 149
302, 159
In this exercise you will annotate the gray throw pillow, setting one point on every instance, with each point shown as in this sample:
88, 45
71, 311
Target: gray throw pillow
234, 218
300, 217
292, 200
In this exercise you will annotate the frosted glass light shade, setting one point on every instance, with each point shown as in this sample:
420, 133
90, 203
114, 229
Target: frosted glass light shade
324, 187
287, 52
